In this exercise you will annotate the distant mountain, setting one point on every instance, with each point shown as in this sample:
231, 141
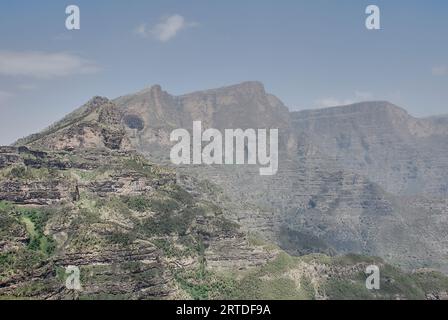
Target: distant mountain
404, 155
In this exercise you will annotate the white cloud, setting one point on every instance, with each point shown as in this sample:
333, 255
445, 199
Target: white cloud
333, 102
440, 71
166, 29
43, 65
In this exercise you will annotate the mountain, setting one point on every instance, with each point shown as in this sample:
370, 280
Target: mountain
364, 179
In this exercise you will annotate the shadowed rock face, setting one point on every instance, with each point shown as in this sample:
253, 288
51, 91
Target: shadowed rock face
365, 178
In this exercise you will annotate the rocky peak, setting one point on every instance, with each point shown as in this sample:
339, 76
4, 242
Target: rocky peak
96, 124
95, 103
156, 89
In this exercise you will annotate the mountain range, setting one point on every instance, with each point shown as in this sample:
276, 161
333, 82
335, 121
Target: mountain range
354, 182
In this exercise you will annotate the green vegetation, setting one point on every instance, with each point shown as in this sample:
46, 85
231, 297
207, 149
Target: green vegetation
431, 281
275, 280
344, 289
394, 282
121, 238
271, 281
266, 282
22, 172
166, 223
15, 223
208, 285
34, 221
138, 203
138, 164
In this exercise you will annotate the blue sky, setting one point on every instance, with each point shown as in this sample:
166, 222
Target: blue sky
308, 53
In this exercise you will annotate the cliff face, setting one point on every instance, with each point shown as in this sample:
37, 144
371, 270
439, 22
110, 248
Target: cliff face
151, 114
404, 155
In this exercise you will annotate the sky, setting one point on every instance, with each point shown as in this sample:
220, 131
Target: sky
310, 54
